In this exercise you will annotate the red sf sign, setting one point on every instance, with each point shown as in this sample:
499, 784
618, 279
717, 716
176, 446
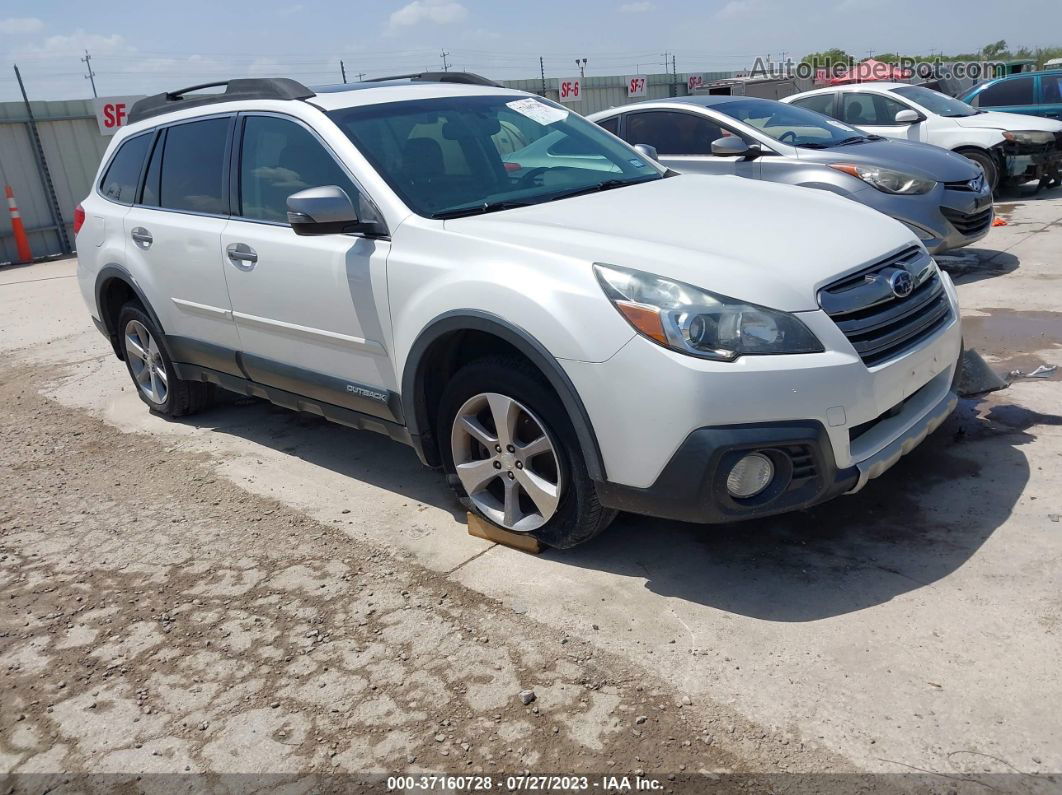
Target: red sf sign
636, 86
112, 113
569, 89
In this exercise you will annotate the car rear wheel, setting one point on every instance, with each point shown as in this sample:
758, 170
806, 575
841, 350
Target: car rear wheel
151, 368
510, 454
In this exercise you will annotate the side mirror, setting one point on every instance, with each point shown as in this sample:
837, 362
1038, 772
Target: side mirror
732, 146
326, 210
647, 151
908, 116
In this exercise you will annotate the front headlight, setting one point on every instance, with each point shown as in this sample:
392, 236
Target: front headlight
885, 179
690, 320
1029, 137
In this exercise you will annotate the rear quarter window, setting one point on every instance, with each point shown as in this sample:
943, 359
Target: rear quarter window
119, 183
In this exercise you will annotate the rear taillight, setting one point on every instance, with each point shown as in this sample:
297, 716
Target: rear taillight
79, 218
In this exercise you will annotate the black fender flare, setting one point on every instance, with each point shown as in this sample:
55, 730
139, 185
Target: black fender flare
413, 394
107, 274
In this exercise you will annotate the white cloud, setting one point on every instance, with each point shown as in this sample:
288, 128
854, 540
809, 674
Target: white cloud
636, 8
441, 12
79, 41
15, 25
737, 9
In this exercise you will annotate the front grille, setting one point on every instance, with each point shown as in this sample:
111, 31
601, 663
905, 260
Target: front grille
968, 223
972, 185
802, 460
879, 324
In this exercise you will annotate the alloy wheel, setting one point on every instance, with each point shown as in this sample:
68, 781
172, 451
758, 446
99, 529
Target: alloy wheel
506, 462
145, 362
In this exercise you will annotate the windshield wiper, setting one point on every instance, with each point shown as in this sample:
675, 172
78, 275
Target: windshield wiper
812, 145
607, 184
854, 139
479, 209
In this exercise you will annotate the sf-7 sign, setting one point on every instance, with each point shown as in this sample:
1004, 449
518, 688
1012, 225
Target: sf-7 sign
636, 86
569, 89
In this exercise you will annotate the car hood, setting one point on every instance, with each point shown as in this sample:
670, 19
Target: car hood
1009, 121
761, 242
911, 157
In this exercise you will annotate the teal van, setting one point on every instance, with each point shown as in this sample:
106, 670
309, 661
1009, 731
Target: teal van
1032, 93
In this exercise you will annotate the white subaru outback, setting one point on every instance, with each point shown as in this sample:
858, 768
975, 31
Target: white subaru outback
563, 326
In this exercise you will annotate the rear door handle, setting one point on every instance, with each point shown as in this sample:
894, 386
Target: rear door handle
241, 255
141, 237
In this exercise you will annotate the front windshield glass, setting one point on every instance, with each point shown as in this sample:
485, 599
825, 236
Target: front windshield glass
455, 156
935, 102
790, 124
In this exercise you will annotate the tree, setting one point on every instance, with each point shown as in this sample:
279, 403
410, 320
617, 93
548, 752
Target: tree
995, 50
836, 55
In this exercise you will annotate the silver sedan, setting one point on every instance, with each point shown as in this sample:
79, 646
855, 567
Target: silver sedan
941, 196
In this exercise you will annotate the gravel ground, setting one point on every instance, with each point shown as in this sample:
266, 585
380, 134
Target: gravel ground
157, 619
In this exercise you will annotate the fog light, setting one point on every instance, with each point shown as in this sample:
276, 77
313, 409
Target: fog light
750, 476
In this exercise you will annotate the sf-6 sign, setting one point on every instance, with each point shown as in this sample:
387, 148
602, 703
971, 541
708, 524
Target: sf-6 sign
570, 89
112, 113
636, 86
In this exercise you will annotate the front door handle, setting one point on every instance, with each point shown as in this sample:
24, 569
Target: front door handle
141, 237
241, 255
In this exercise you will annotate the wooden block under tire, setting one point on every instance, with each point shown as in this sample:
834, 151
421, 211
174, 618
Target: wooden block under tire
480, 528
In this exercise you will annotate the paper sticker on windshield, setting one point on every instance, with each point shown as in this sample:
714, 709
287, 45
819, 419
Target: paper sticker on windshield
636, 163
537, 111
838, 125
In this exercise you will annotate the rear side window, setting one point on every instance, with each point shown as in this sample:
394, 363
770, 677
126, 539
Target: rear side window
193, 167
119, 183
1018, 91
820, 103
1052, 86
673, 132
279, 158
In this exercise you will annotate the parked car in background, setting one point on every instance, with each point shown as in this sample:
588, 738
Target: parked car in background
1009, 147
563, 340
1033, 93
942, 197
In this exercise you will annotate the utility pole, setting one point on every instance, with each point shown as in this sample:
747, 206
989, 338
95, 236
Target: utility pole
91, 76
361, 76
582, 67
542, 73
446, 66
343, 70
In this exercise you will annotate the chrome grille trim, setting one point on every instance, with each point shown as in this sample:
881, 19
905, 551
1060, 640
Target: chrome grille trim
878, 324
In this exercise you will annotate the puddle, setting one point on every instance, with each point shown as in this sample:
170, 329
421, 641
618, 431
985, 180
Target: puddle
1010, 335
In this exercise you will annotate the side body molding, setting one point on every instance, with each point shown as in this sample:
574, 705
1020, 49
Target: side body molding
413, 381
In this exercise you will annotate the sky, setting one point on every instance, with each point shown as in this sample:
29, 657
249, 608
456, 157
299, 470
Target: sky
144, 46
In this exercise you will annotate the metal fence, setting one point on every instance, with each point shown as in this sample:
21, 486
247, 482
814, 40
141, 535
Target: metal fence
73, 146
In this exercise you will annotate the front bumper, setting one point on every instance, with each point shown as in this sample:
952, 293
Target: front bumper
1028, 162
944, 218
671, 433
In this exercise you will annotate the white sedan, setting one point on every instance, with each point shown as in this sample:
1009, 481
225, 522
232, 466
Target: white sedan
1008, 146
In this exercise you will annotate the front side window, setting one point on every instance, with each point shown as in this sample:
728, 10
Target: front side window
874, 109
935, 102
279, 158
453, 156
123, 174
673, 132
193, 175
1018, 91
610, 124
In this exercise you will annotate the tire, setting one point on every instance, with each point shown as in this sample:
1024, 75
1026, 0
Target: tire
987, 164
555, 501
153, 375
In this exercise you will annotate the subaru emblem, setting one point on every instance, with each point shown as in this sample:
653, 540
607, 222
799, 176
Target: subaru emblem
902, 284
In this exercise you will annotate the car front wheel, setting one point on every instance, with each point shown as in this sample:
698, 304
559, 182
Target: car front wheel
510, 453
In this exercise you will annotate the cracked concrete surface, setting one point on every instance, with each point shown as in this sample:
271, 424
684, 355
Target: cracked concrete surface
914, 626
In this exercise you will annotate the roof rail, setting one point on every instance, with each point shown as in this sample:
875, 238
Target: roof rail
441, 77
240, 88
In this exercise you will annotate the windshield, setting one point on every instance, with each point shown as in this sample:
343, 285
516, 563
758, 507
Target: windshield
454, 156
935, 102
790, 124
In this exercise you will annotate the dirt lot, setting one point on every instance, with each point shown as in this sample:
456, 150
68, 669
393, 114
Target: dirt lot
253, 591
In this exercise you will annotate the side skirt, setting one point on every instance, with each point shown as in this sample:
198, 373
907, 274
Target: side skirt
290, 400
